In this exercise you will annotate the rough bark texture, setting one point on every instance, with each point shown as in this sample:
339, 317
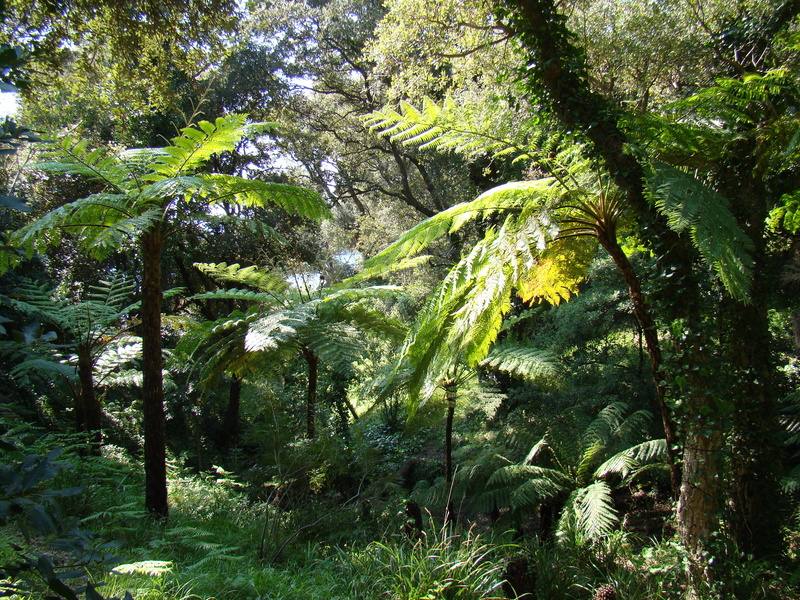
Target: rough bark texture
756, 436
700, 500
155, 450
89, 413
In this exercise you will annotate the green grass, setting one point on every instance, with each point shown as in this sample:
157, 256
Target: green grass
209, 549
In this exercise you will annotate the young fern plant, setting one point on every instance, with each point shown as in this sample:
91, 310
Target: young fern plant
89, 343
573, 472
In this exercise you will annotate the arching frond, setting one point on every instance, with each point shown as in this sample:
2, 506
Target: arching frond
115, 356
703, 213
252, 192
529, 199
559, 270
338, 345
235, 294
98, 164
445, 127
629, 460
102, 219
524, 362
534, 492
593, 510
373, 321
196, 145
520, 473
36, 367
252, 276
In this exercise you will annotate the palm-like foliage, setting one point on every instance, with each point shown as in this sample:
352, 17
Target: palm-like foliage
575, 468
548, 233
284, 321
90, 331
142, 195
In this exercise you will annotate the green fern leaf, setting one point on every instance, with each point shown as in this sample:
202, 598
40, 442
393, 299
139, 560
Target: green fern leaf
702, 212
594, 508
520, 361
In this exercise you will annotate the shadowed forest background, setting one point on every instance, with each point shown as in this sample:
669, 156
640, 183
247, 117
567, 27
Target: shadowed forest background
407, 300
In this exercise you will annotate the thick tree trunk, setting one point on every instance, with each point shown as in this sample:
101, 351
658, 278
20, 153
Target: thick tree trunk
312, 360
91, 417
155, 447
754, 442
700, 501
755, 438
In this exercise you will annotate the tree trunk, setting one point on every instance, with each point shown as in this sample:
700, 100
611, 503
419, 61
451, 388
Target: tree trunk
311, 397
91, 413
700, 503
155, 448
645, 319
230, 424
450, 394
755, 437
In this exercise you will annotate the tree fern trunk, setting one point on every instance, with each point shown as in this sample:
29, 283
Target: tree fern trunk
231, 422
312, 360
91, 411
450, 393
645, 319
155, 450
755, 438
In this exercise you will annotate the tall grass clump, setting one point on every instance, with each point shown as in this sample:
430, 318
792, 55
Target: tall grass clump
449, 566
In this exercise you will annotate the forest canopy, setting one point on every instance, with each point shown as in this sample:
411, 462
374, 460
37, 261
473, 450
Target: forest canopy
400, 299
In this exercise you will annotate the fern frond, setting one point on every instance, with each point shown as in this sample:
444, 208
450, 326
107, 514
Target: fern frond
236, 294
97, 164
535, 492
445, 127
534, 196
629, 460
252, 276
277, 328
336, 344
702, 212
114, 356
196, 145
520, 361
43, 367
150, 568
252, 192
124, 378
594, 509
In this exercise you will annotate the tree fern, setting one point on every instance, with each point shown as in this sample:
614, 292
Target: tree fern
465, 129
703, 213
592, 511
575, 466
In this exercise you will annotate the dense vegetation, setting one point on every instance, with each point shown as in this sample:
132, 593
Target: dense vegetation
407, 299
